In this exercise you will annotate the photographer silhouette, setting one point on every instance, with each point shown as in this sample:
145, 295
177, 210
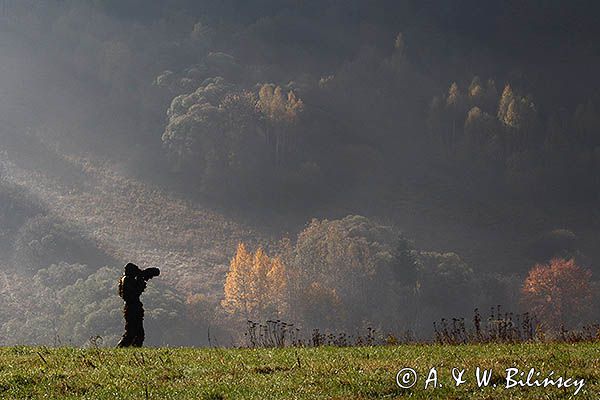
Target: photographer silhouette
131, 286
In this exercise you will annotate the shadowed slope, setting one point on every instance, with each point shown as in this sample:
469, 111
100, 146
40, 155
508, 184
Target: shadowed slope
131, 220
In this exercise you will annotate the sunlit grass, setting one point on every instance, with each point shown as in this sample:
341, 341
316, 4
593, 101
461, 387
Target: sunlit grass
290, 373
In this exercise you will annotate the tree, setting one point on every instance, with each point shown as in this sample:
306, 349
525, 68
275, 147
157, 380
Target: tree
269, 285
505, 100
214, 136
361, 271
454, 102
446, 284
43, 241
475, 125
481, 147
237, 290
558, 292
255, 285
281, 112
229, 138
519, 116
321, 305
476, 91
243, 153
192, 131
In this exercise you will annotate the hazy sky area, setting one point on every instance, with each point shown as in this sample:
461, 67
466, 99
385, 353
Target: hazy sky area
384, 163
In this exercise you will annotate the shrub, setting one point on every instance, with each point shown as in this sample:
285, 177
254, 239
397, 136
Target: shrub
44, 311
58, 276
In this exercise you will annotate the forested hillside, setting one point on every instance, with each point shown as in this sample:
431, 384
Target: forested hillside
429, 152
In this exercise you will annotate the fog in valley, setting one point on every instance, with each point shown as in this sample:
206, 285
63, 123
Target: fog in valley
339, 165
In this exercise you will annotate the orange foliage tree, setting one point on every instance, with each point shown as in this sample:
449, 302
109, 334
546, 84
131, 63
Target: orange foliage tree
558, 292
255, 286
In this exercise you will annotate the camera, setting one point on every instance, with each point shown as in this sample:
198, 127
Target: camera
149, 273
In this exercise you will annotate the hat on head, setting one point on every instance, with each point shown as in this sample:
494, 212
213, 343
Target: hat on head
131, 269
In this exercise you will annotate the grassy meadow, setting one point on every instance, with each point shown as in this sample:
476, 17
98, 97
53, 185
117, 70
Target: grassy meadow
290, 373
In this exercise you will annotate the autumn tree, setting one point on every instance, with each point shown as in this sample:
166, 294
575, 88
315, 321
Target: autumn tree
506, 99
475, 91
519, 116
268, 284
255, 285
558, 292
238, 290
281, 111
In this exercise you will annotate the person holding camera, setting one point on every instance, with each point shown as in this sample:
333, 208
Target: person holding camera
131, 286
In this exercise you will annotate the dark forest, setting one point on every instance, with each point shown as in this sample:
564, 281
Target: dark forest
333, 164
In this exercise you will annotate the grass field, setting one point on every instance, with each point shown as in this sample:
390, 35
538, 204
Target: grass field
291, 373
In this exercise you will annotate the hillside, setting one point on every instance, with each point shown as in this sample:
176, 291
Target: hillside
131, 220
335, 165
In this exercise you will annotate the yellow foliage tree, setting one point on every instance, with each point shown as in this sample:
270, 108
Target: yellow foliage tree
260, 283
255, 286
282, 112
277, 278
238, 290
277, 106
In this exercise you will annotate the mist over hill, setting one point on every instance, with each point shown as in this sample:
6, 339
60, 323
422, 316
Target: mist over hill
437, 150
